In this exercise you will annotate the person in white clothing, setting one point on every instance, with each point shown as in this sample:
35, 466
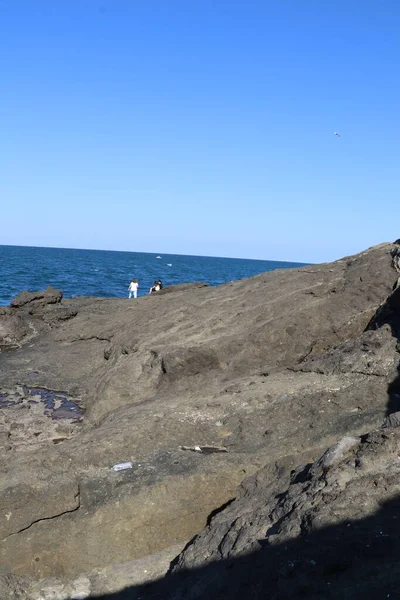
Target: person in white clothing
133, 288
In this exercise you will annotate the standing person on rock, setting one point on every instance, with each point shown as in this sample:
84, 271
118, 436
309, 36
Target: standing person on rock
133, 288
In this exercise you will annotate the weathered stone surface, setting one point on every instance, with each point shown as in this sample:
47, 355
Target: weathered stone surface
329, 529
274, 369
182, 287
93, 584
13, 587
186, 362
13, 329
36, 312
392, 420
55, 315
49, 296
44, 483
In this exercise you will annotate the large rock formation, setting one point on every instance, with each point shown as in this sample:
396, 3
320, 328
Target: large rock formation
328, 529
198, 387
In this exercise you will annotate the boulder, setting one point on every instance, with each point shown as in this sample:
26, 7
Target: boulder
48, 296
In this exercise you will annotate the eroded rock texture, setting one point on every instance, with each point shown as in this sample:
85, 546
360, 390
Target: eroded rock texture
328, 529
198, 387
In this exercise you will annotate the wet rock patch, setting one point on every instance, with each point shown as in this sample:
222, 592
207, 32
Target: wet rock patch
31, 416
57, 405
4, 401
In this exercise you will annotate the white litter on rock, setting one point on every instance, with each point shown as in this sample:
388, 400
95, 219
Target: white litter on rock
122, 466
204, 449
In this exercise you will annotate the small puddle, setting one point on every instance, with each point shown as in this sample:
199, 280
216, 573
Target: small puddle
58, 405
4, 402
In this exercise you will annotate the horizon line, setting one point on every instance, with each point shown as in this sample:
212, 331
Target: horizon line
156, 253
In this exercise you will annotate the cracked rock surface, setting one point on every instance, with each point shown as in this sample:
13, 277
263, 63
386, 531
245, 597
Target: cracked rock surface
271, 369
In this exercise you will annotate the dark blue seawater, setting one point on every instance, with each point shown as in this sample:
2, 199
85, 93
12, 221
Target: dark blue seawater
108, 273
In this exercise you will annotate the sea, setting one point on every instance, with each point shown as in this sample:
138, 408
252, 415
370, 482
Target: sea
106, 273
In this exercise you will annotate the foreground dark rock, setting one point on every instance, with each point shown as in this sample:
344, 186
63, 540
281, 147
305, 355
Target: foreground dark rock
329, 529
266, 371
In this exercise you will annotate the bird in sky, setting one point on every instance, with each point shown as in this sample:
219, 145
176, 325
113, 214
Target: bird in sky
336, 133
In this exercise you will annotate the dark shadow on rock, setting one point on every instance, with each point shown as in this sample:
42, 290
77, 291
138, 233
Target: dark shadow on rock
351, 560
389, 313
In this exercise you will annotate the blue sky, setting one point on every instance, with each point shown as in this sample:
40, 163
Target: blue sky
200, 127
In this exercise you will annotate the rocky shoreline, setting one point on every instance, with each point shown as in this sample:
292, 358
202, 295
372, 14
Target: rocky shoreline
219, 397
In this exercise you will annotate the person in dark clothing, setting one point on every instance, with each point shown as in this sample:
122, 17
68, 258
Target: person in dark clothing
157, 286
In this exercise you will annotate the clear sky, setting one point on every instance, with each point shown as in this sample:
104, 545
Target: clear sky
201, 126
